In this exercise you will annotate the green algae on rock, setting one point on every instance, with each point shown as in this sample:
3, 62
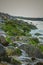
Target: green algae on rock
18, 52
15, 61
10, 50
31, 50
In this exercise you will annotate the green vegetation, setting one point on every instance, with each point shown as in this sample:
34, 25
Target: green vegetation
18, 52
33, 41
16, 41
16, 61
10, 50
41, 48
8, 39
17, 27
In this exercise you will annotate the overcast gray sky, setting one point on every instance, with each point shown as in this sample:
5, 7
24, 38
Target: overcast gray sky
29, 8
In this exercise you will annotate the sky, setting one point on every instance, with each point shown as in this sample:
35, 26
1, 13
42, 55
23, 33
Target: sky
26, 8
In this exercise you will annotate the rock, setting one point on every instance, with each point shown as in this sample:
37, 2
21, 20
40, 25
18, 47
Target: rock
2, 50
38, 34
39, 63
17, 52
3, 41
28, 64
33, 58
10, 50
6, 59
14, 44
15, 61
31, 50
3, 64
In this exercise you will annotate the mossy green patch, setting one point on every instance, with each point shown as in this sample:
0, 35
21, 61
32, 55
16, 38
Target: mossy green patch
33, 41
41, 48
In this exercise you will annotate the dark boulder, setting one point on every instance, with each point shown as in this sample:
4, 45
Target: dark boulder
2, 50
39, 63
31, 50
3, 41
15, 61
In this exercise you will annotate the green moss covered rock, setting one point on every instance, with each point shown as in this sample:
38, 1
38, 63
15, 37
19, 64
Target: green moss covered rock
15, 61
10, 50
17, 52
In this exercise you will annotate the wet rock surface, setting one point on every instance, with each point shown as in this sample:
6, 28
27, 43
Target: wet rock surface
15, 61
19, 47
2, 50
32, 51
25, 54
10, 50
39, 63
3, 41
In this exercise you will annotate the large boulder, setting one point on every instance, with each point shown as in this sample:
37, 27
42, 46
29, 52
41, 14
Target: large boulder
11, 50
39, 63
3, 41
18, 52
2, 50
31, 50
15, 61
